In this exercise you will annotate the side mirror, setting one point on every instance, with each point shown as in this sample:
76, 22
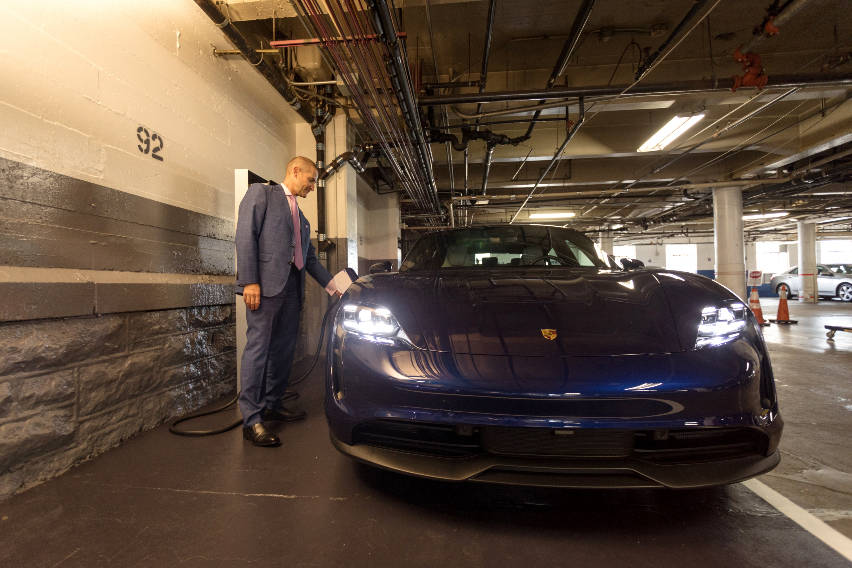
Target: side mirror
632, 263
384, 266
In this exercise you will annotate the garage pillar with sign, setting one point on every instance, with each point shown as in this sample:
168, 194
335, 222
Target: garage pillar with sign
807, 263
728, 238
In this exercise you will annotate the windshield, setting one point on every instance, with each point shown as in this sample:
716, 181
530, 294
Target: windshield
502, 247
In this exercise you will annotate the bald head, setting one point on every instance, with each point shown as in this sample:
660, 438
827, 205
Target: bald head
301, 176
301, 162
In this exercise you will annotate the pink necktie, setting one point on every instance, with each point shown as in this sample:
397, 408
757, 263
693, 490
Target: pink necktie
297, 229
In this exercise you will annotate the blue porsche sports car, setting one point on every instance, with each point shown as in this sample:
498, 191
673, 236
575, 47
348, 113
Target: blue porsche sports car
516, 354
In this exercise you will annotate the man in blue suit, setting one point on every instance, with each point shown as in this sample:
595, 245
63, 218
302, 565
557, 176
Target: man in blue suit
274, 252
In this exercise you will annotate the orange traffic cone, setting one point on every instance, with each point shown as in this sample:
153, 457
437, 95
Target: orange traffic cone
754, 304
783, 312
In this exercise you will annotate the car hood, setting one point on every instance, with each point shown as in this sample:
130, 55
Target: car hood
565, 312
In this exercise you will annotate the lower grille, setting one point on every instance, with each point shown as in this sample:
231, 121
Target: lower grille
561, 443
696, 446
657, 446
434, 439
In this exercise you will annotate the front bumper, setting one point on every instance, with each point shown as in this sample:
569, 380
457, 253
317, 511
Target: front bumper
671, 420
547, 472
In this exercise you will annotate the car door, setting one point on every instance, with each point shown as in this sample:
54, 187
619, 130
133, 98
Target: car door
826, 281
792, 280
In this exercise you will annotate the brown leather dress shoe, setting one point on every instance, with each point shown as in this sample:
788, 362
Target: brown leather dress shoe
259, 435
283, 414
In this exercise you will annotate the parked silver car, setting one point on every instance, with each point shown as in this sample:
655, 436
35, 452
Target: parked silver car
832, 280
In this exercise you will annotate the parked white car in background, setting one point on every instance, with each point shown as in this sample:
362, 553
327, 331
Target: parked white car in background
832, 280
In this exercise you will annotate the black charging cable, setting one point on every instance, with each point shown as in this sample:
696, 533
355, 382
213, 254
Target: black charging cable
287, 396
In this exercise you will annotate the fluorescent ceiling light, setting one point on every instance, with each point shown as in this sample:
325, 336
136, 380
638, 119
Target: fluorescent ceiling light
670, 132
764, 216
553, 215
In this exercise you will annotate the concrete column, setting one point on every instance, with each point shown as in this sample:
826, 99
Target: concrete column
728, 238
241, 185
807, 263
341, 199
605, 242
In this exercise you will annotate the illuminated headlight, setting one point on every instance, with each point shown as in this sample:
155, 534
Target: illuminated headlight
719, 325
373, 323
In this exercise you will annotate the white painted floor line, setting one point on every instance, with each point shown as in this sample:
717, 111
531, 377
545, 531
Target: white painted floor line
836, 540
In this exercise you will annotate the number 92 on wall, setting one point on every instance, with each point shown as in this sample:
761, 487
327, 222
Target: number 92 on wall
150, 143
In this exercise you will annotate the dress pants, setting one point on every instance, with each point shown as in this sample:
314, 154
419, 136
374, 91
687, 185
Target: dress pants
272, 332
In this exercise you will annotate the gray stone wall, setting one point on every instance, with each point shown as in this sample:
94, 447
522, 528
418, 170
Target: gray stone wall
72, 388
117, 313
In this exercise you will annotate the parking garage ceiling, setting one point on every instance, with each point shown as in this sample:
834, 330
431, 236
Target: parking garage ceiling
507, 109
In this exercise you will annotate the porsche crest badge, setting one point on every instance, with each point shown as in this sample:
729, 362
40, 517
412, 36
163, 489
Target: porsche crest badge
549, 334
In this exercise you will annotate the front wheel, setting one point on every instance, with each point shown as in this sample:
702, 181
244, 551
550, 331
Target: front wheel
844, 292
786, 290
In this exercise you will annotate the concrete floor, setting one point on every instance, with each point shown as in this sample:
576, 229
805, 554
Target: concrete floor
162, 500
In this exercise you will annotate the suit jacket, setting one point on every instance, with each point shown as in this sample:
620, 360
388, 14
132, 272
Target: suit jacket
265, 241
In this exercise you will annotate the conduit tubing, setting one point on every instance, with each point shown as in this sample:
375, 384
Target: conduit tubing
568, 48
344, 22
486, 50
568, 137
650, 63
755, 182
446, 119
483, 78
685, 87
725, 128
790, 10
383, 23
270, 72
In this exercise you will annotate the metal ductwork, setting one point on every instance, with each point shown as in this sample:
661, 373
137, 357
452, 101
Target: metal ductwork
357, 158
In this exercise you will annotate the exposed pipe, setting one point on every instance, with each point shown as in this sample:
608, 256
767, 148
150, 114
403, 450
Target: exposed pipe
366, 67
568, 137
266, 69
383, 23
449, 85
788, 12
308, 83
323, 117
515, 110
486, 50
319, 41
650, 62
685, 87
489, 155
483, 78
446, 119
356, 158
568, 48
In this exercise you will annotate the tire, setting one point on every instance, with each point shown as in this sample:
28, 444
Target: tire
844, 292
784, 286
